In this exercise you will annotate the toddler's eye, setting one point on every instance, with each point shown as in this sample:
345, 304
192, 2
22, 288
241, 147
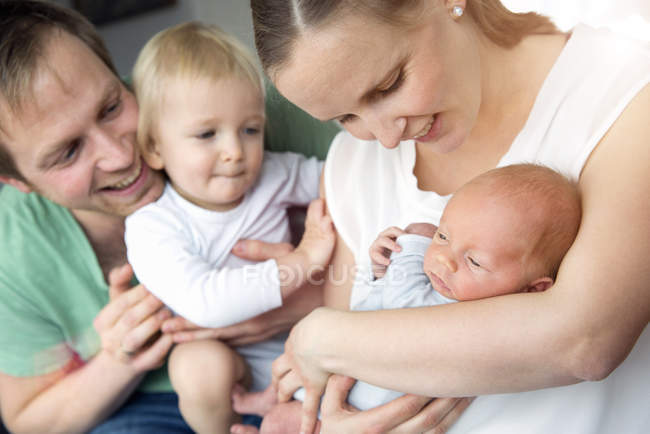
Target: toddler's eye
251, 131
206, 134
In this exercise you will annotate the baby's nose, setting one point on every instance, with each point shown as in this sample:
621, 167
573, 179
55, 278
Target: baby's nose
447, 262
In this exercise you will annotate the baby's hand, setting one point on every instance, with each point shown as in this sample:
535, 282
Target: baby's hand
319, 237
381, 249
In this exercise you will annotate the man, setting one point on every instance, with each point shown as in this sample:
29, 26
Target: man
73, 349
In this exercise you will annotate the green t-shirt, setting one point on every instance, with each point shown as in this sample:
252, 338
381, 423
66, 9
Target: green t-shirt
51, 289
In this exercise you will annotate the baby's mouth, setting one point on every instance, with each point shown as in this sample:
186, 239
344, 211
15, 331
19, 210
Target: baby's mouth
439, 284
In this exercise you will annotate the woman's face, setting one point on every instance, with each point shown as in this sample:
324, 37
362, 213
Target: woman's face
389, 83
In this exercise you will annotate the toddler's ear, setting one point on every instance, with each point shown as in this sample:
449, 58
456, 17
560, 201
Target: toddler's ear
152, 156
538, 285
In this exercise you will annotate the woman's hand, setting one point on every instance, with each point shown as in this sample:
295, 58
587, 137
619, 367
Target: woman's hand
129, 324
296, 368
409, 413
284, 380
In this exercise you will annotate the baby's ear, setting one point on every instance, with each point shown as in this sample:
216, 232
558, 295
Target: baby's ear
539, 285
152, 156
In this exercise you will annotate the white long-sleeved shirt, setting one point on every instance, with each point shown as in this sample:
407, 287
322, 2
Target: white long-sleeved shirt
182, 252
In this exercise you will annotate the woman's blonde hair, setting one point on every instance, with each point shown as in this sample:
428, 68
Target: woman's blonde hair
190, 51
279, 23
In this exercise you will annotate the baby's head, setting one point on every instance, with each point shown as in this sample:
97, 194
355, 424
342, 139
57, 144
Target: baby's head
201, 100
505, 231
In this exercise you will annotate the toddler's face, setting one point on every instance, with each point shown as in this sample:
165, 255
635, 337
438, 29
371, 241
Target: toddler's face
209, 138
481, 248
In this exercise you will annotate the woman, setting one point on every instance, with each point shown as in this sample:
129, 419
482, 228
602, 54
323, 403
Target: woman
451, 89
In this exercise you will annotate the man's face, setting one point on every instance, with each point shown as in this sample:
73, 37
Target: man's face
74, 140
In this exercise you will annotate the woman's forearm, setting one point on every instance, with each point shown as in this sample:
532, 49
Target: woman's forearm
505, 344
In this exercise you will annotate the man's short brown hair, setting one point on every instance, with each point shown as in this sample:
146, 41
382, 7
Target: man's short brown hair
25, 27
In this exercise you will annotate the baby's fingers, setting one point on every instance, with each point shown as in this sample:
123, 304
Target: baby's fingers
379, 258
381, 249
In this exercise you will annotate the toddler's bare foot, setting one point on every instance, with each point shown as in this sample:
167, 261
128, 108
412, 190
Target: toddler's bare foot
259, 403
243, 429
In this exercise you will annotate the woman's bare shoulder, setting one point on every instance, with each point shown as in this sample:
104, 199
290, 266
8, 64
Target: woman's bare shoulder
626, 145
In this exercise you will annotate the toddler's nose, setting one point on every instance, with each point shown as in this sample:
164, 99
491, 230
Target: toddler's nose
231, 151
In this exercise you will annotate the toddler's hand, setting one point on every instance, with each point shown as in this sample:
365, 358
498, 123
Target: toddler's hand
381, 249
319, 238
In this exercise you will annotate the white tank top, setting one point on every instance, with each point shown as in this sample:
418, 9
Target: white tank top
369, 188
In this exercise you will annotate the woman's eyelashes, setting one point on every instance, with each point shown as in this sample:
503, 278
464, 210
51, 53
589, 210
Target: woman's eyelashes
393, 86
381, 92
346, 118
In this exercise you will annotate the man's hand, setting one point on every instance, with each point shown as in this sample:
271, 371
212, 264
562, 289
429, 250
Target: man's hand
129, 324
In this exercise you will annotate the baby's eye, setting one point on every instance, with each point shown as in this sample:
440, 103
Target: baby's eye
473, 262
442, 236
208, 134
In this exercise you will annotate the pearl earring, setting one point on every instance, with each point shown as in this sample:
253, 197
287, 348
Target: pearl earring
457, 11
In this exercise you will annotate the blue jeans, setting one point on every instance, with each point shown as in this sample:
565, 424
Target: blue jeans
149, 413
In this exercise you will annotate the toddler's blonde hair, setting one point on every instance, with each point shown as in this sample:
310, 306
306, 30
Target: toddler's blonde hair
191, 50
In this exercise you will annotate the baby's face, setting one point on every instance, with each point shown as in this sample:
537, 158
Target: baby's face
209, 136
480, 249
